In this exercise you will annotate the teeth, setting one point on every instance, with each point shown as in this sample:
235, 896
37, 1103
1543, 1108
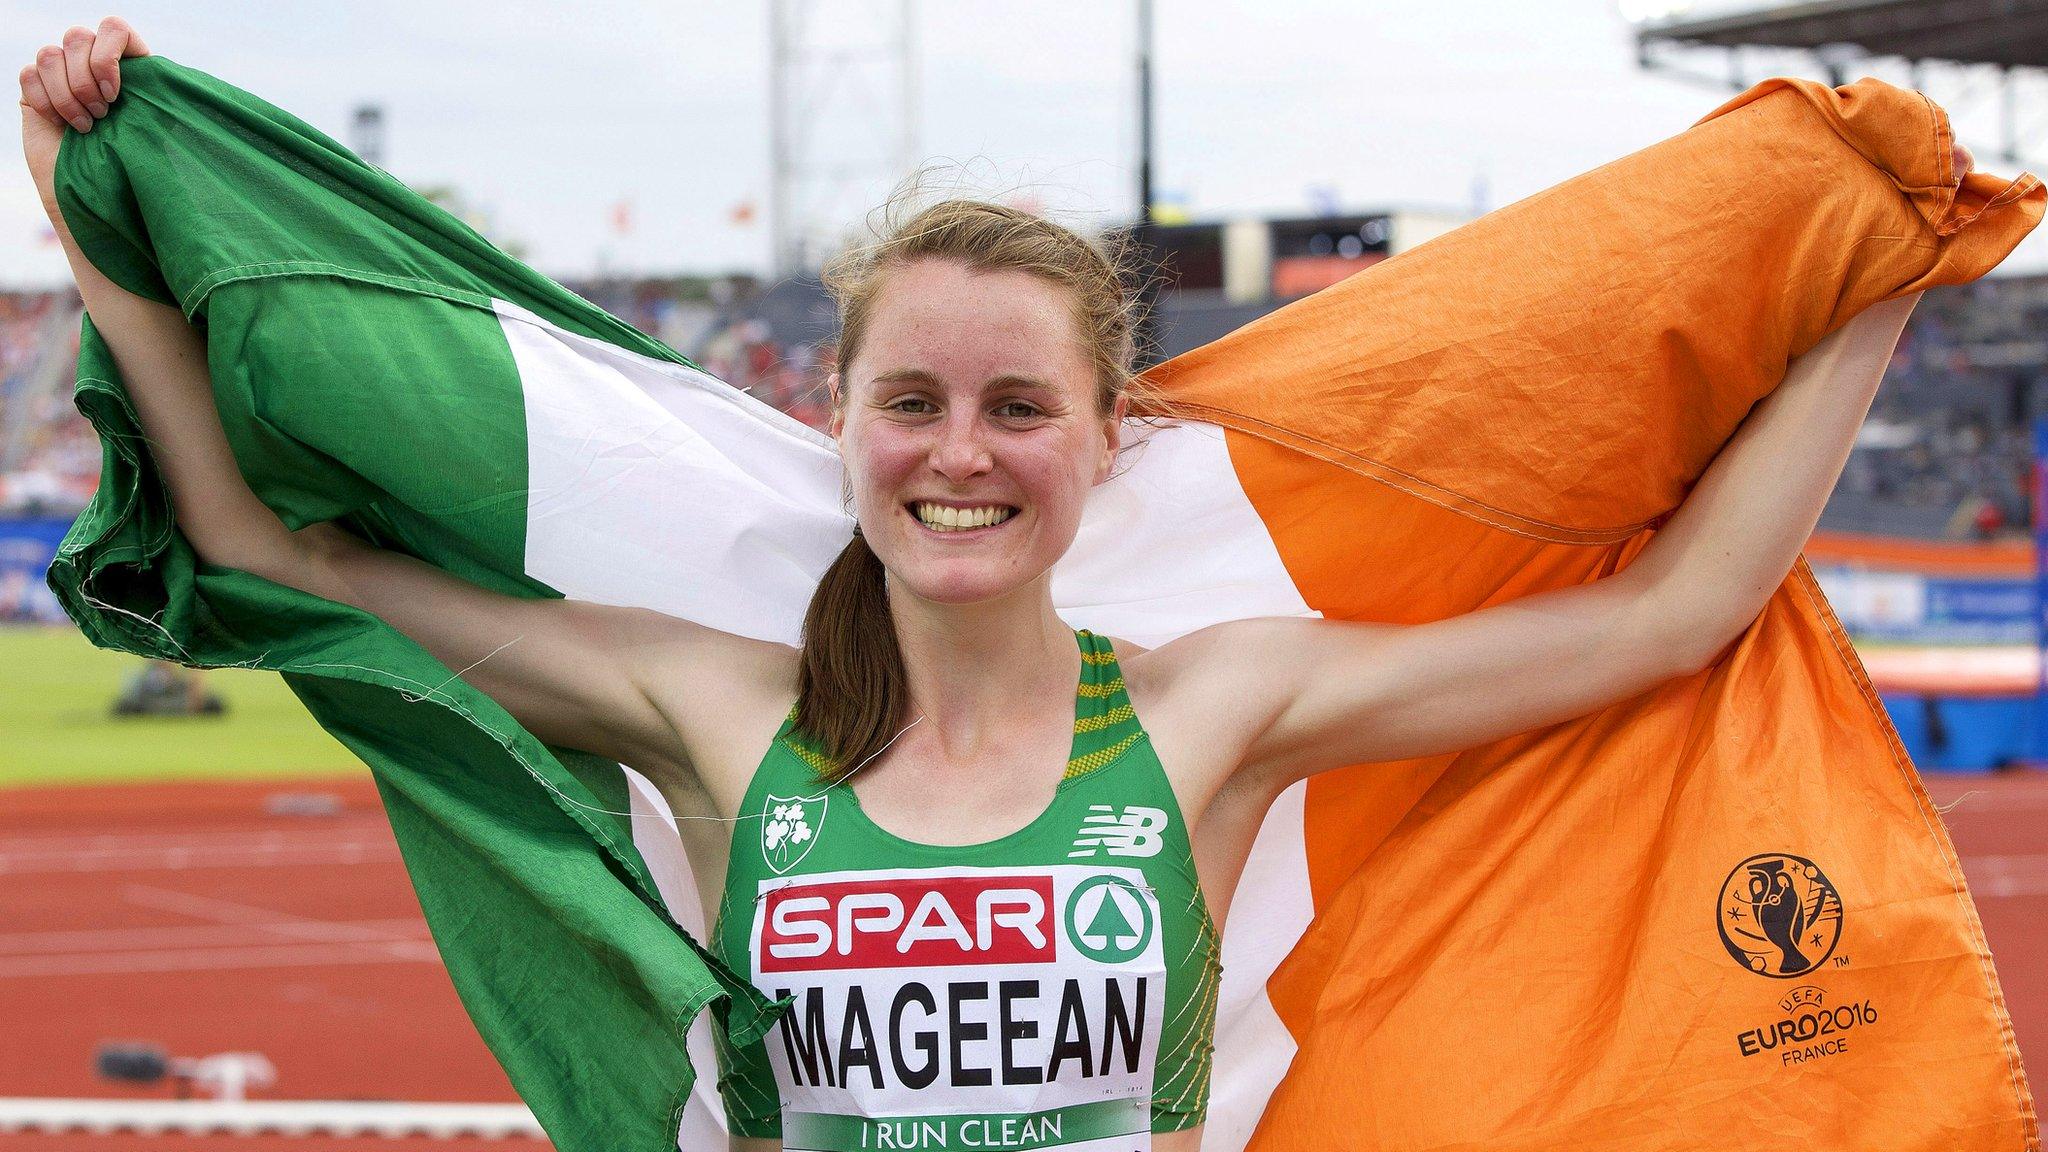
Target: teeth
946, 519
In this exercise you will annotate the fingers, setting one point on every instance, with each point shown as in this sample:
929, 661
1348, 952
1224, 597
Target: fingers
50, 69
1962, 161
74, 83
78, 72
105, 60
35, 99
131, 40
116, 42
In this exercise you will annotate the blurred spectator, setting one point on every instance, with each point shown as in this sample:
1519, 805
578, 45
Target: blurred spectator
1988, 520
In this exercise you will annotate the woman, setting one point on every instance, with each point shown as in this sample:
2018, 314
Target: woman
982, 380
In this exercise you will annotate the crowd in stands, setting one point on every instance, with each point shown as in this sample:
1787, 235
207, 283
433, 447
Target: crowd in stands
769, 342
1947, 451
787, 375
49, 456
1948, 448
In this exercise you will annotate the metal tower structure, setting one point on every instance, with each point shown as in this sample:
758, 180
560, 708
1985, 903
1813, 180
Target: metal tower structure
842, 119
366, 133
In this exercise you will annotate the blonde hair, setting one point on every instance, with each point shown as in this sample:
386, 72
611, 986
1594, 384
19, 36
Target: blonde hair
852, 690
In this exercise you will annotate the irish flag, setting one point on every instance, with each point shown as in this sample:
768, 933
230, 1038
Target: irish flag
1720, 915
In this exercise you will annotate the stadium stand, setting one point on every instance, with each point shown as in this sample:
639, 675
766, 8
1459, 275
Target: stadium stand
1946, 453
49, 458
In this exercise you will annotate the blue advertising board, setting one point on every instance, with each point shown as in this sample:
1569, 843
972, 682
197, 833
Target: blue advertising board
26, 548
1910, 608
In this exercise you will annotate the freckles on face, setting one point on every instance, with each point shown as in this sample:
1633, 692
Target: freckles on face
970, 390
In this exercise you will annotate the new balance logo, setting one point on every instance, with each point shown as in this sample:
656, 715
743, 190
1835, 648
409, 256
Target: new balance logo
1132, 832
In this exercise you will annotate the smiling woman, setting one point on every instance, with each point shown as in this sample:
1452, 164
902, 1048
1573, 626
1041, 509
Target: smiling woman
980, 395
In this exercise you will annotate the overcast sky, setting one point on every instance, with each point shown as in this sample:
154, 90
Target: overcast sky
547, 117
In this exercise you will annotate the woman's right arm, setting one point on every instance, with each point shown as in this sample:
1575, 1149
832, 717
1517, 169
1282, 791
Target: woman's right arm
574, 673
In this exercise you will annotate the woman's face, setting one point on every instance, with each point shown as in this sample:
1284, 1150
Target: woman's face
971, 400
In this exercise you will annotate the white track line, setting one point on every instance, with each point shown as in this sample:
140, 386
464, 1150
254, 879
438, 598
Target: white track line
181, 936
21, 855
275, 956
303, 928
189, 835
226, 941
255, 1117
1997, 877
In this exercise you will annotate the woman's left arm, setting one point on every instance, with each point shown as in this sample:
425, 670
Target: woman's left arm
1311, 695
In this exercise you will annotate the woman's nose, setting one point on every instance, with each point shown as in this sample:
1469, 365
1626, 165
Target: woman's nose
959, 451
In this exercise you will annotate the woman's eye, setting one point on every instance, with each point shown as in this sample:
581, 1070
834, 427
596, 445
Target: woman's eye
917, 400
1019, 410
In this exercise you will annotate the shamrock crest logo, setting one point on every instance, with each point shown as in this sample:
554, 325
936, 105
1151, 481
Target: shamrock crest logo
789, 827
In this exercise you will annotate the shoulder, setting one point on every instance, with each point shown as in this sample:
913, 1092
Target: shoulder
1206, 696
1222, 657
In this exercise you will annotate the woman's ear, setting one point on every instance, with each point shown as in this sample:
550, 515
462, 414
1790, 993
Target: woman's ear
838, 409
1112, 435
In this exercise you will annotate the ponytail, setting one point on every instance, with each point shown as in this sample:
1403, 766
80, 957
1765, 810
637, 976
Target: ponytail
851, 687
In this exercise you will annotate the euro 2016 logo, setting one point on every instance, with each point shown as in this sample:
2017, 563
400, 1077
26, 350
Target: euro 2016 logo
1779, 916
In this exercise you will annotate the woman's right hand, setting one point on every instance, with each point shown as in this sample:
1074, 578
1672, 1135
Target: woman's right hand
72, 83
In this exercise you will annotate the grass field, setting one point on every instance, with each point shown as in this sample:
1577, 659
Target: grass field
56, 726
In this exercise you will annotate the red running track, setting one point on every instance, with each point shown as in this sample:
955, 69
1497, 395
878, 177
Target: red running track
191, 917
1999, 822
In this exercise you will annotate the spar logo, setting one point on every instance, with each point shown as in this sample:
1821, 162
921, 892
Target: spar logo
789, 827
1109, 920
1779, 915
907, 922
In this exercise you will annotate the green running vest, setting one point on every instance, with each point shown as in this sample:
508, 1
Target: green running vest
1054, 988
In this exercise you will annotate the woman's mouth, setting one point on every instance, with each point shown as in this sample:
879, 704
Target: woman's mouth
945, 518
